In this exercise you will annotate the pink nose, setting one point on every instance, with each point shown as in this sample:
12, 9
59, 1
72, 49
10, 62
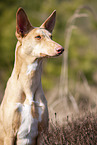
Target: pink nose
59, 50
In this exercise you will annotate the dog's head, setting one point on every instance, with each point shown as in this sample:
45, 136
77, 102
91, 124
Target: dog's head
37, 41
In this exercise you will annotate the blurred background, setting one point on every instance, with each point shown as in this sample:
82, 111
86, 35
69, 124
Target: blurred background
69, 81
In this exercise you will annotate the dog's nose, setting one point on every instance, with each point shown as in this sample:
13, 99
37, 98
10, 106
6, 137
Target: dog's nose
60, 50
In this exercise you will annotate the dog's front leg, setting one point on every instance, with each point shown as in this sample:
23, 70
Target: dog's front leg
9, 141
30, 98
43, 114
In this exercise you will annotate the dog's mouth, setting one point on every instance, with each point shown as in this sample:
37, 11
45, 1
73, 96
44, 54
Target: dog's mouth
43, 55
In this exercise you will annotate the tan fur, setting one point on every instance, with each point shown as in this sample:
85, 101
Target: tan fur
23, 93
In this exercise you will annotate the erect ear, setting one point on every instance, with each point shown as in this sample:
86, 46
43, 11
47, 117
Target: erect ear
50, 22
23, 25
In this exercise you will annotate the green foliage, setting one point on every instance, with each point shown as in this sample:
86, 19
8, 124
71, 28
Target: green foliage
82, 56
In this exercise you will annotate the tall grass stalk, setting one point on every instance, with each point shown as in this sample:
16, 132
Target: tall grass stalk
63, 86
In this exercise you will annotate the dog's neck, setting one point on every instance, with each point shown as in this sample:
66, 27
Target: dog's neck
27, 72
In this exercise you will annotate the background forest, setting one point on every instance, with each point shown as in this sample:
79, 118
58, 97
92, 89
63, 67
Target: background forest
78, 88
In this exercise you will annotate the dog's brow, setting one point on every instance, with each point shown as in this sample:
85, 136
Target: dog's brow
45, 34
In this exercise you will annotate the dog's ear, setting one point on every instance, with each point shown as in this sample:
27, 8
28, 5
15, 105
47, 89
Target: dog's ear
23, 25
50, 22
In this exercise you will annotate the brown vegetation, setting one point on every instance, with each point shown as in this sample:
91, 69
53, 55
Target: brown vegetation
82, 131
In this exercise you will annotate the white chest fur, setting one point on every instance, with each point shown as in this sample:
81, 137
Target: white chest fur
32, 67
29, 126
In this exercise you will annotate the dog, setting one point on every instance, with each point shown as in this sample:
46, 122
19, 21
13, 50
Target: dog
24, 111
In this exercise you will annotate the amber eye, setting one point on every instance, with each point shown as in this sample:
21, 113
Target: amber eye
38, 37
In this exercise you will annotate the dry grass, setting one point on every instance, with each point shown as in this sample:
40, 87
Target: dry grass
69, 97
80, 132
64, 83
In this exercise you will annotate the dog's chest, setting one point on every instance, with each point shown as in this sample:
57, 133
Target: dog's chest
30, 116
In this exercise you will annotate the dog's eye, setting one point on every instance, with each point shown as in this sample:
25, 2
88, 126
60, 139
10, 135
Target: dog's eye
38, 37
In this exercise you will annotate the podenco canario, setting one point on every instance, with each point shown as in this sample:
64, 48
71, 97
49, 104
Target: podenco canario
24, 112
